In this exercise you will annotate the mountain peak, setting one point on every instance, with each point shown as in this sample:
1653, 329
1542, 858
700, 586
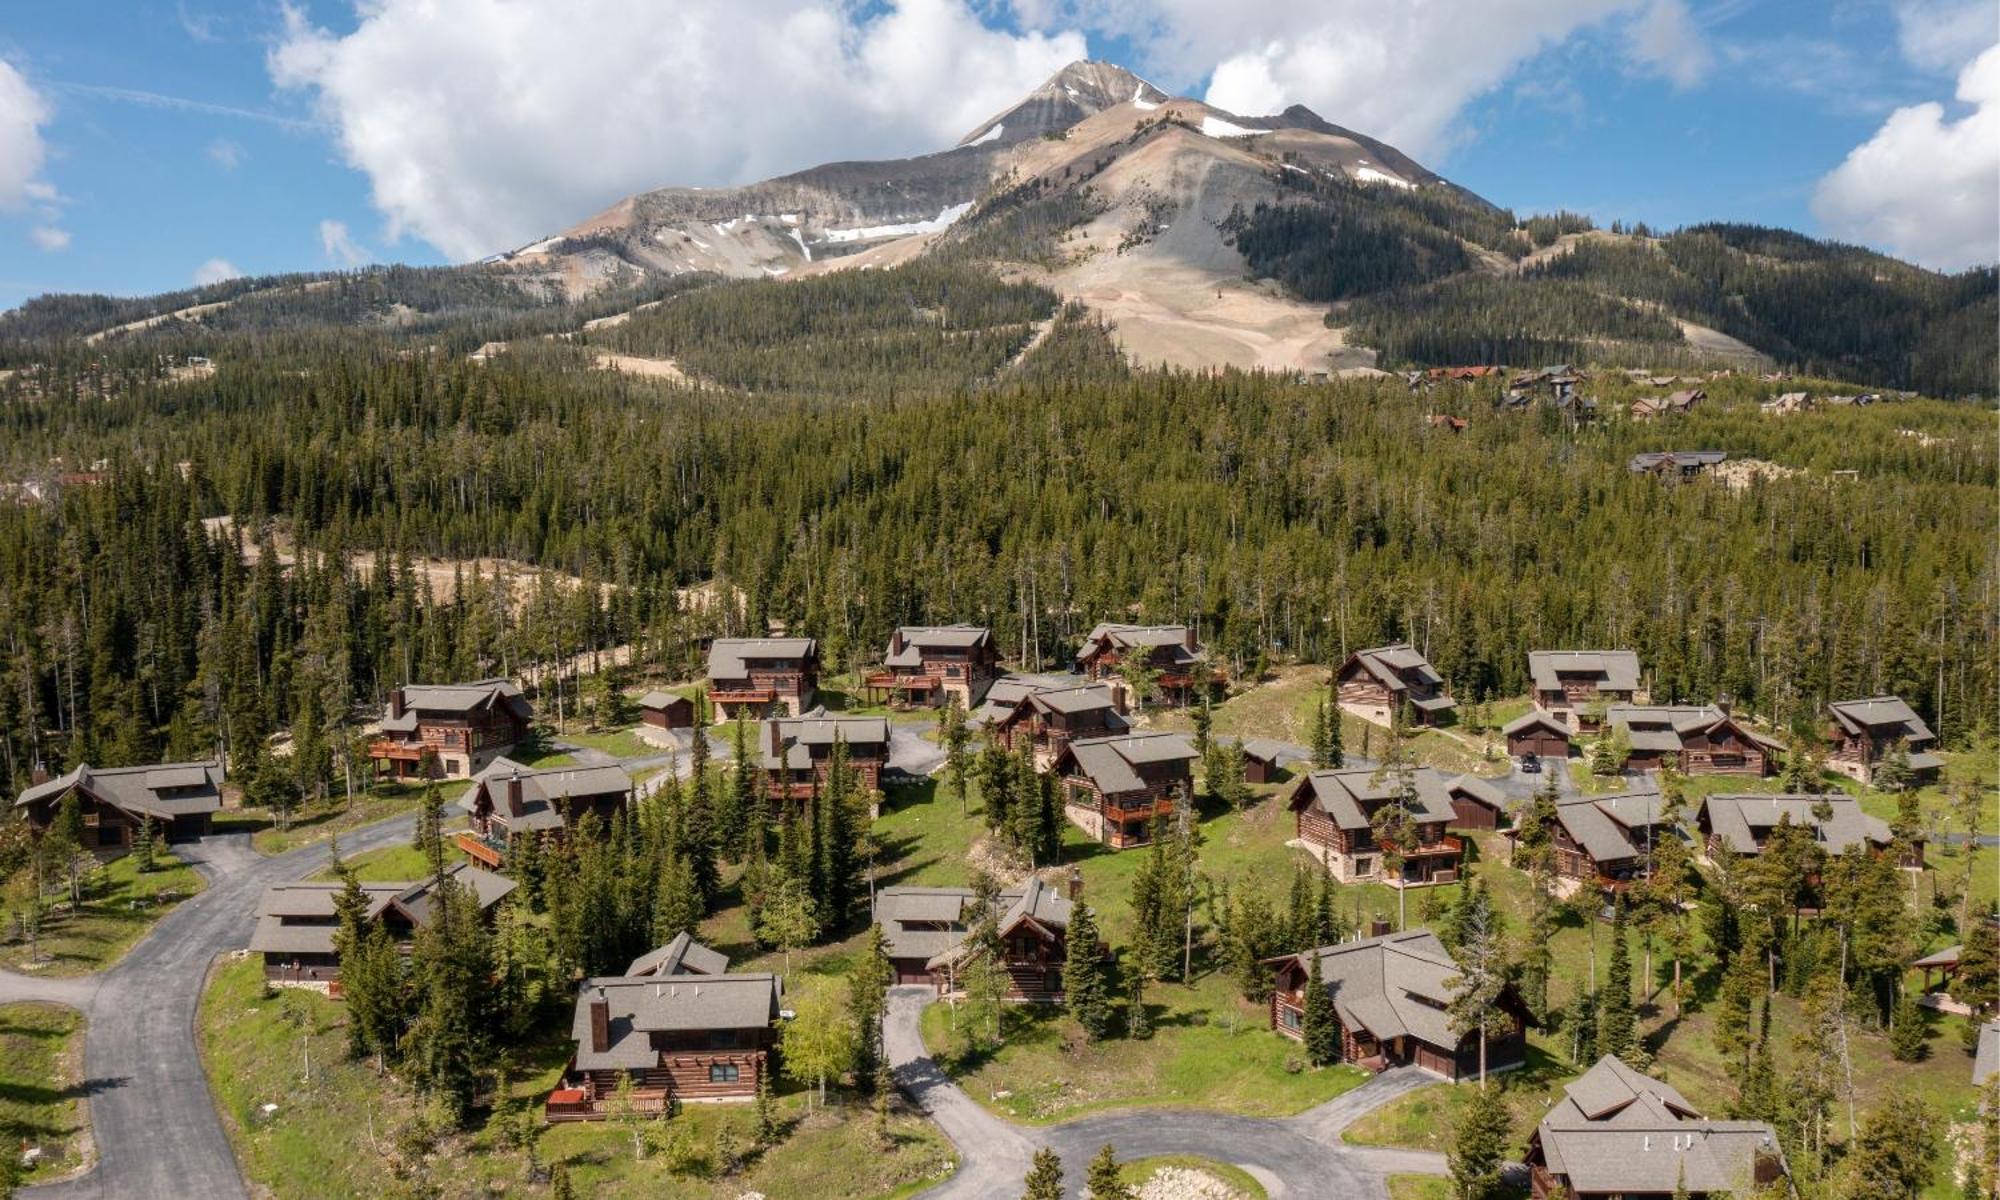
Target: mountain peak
1081, 89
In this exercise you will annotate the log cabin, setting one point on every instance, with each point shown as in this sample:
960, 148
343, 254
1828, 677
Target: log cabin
180, 799
1537, 732
1676, 465
1336, 810
1391, 997
1742, 824
1574, 685
925, 665
1620, 1135
1261, 759
1375, 684
678, 1038
509, 802
927, 932
1701, 739
761, 677
296, 921
1861, 732
1172, 651
1680, 403
1113, 787
458, 727
1050, 718
796, 753
664, 710
1475, 803
1606, 842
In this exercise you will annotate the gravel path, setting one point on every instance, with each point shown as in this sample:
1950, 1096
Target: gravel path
154, 1122
1300, 1157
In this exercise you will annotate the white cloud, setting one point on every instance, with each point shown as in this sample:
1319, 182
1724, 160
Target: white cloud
215, 270
23, 112
1944, 35
1402, 72
482, 125
339, 245
226, 154
1926, 187
1663, 40
49, 238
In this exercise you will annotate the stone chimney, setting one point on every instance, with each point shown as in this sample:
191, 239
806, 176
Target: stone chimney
600, 1022
396, 704
1121, 702
896, 642
1073, 886
1187, 636
1379, 927
514, 793
39, 775
774, 740
1723, 704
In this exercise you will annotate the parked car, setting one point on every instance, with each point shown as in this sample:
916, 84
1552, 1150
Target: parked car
1530, 764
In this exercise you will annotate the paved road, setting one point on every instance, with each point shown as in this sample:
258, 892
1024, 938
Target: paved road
157, 1132
1299, 1157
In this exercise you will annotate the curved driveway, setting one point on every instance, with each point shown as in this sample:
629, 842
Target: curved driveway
151, 1115
1298, 1157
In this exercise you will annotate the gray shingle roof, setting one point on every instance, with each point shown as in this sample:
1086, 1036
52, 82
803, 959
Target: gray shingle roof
1617, 1131
1613, 670
1605, 825
918, 638
681, 956
1392, 986
1535, 718
659, 699
299, 918
1124, 637
1347, 794
1679, 458
1664, 727
1887, 713
161, 791
543, 789
730, 658
645, 1005
866, 737
904, 913
1109, 762
1743, 820
465, 697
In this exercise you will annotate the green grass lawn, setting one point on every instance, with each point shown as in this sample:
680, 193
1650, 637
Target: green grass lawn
120, 905
390, 864
1140, 1171
1427, 1119
618, 743
1209, 1050
41, 1088
1419, 1187
333, 1132
377, 803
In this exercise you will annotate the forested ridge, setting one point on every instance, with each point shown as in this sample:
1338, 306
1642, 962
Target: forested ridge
1401, 263
1285, 518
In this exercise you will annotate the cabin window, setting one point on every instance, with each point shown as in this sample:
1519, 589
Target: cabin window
1364, 866
1291, 1019
722, 1072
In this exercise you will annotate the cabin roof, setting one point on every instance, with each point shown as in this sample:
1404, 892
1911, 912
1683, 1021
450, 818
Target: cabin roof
1739, 819
681, 956
1617, 1131
1535, 718
1614, 670
644, 1005
1397, 985
161, 791
543, 789
1111, 763
730, 658
1881, 712
1346, 794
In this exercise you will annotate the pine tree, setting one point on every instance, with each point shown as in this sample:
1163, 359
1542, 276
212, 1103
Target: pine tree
560, 1187
1084, 986
954, 737
676, 900
746, 797
1103, 1178
145, 846
1896, 1153
1327, 926
1299, 917
697, 820
1617, 1023
1204, 725
1045, 1177
1479, 1145
1909, 1032
868, 1001
1319, 1025
1336, 755
839, 866
1322, 737
429, 839
1138, 1018
1482, 977
766, 1127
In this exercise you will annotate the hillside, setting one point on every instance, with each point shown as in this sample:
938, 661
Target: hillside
1204, 238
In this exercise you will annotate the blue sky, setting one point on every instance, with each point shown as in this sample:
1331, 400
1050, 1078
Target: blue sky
171, 137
